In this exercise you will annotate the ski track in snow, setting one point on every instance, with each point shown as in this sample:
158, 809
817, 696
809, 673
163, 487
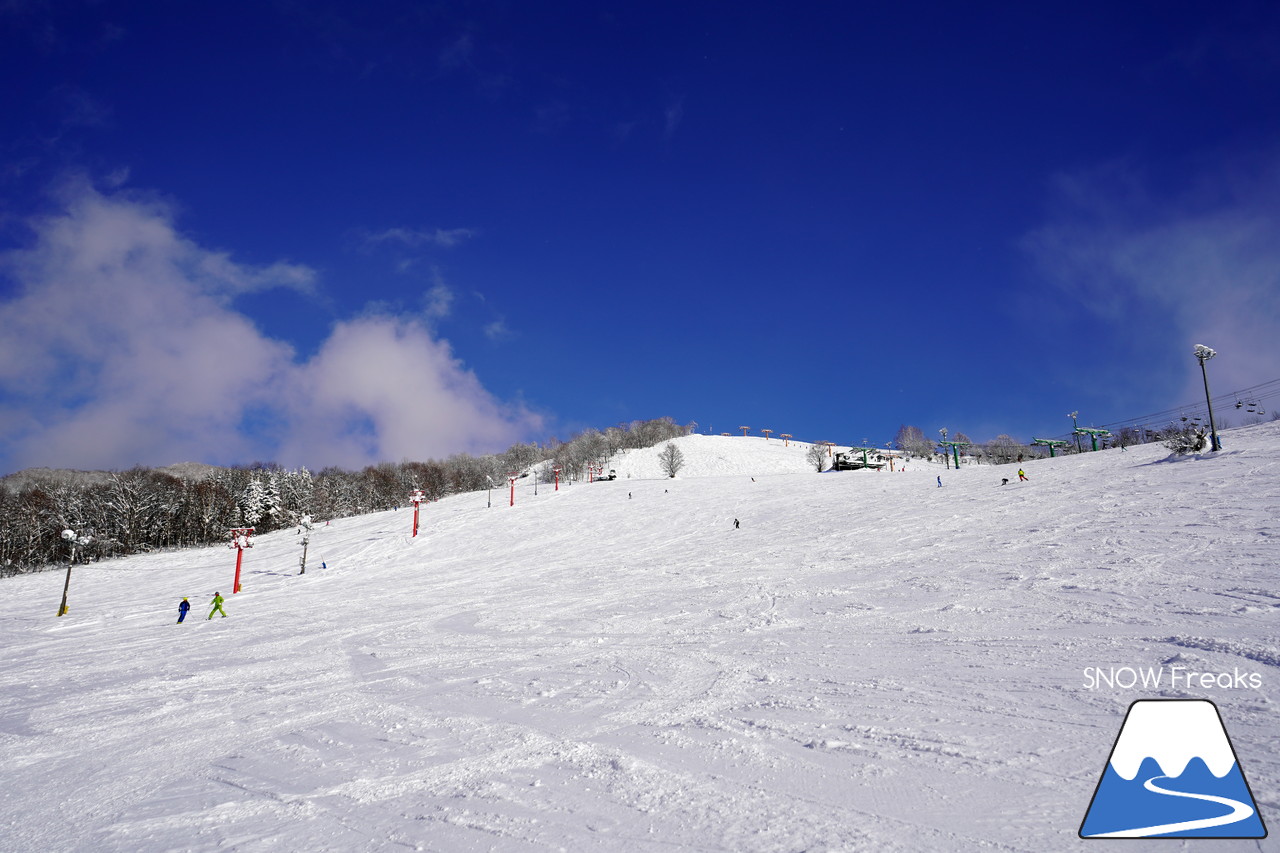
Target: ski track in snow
869, 663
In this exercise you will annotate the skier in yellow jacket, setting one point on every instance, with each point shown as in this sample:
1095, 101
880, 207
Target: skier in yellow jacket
217, 606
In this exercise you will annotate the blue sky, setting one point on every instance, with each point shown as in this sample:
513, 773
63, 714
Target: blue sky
337, 233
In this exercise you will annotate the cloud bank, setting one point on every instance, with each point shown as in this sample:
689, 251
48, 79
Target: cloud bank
122, 345
1201, 265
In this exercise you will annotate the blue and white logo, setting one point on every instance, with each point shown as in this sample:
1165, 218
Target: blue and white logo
1172, 774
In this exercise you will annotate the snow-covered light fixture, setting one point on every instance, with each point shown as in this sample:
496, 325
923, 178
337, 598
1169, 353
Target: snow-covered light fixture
305, 526
1203, 354
74, 540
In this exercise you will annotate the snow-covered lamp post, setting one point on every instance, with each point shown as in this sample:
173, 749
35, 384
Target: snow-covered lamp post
766, 433
512, 479
1203, 353
1074, 427
786, 438
304, 527
417, 498
744, 430
241, 538
73, 540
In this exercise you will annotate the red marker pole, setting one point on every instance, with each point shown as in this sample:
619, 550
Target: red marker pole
240, 540
557, 473
512, 481
416, 497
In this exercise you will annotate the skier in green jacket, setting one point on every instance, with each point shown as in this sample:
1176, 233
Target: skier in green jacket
217, 606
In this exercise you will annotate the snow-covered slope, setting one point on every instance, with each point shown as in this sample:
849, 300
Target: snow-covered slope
718, 455
870, 662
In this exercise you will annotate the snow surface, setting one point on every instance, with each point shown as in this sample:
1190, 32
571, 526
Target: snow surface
870, 663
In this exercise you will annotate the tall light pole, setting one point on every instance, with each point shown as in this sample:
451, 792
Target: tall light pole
304, 527
946, 460
73, 540
1075, 426
1203, 353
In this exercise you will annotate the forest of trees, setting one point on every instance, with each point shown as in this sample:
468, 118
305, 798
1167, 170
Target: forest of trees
143, 509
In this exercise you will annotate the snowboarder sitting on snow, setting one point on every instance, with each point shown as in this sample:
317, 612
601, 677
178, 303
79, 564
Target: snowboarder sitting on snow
183, 607
1004, 481
1022, 476
217, 606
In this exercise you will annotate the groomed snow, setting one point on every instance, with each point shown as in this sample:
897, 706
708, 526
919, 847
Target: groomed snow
869, 663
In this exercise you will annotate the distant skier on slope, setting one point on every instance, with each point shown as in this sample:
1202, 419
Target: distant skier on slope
735, 524
1022, 478
183, 607
939, 481
217, 606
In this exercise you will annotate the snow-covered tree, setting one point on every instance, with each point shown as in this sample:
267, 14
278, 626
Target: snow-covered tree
671, 459
817, 456
253, 502
911, 439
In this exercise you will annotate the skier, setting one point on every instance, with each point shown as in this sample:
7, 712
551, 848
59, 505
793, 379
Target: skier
1004, 481
939, 481
1021, 476
217, 606
735, 524
183, 607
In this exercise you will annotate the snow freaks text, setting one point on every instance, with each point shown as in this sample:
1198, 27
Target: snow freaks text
1173, 677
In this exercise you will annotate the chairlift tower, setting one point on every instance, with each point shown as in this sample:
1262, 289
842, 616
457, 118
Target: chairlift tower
955, 449
1093, 434
1050, 443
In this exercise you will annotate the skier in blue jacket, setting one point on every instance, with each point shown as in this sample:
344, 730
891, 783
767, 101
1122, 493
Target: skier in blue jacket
182, 609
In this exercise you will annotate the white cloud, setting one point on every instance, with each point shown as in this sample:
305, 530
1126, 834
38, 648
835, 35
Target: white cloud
497, 330
122, 346
413, 238
1202, 267
438, 301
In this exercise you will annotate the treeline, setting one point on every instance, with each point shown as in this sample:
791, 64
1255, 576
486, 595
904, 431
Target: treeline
144, 509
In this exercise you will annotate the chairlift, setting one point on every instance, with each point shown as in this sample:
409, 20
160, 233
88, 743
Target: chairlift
1238, 403
1253, 406
1184, 418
